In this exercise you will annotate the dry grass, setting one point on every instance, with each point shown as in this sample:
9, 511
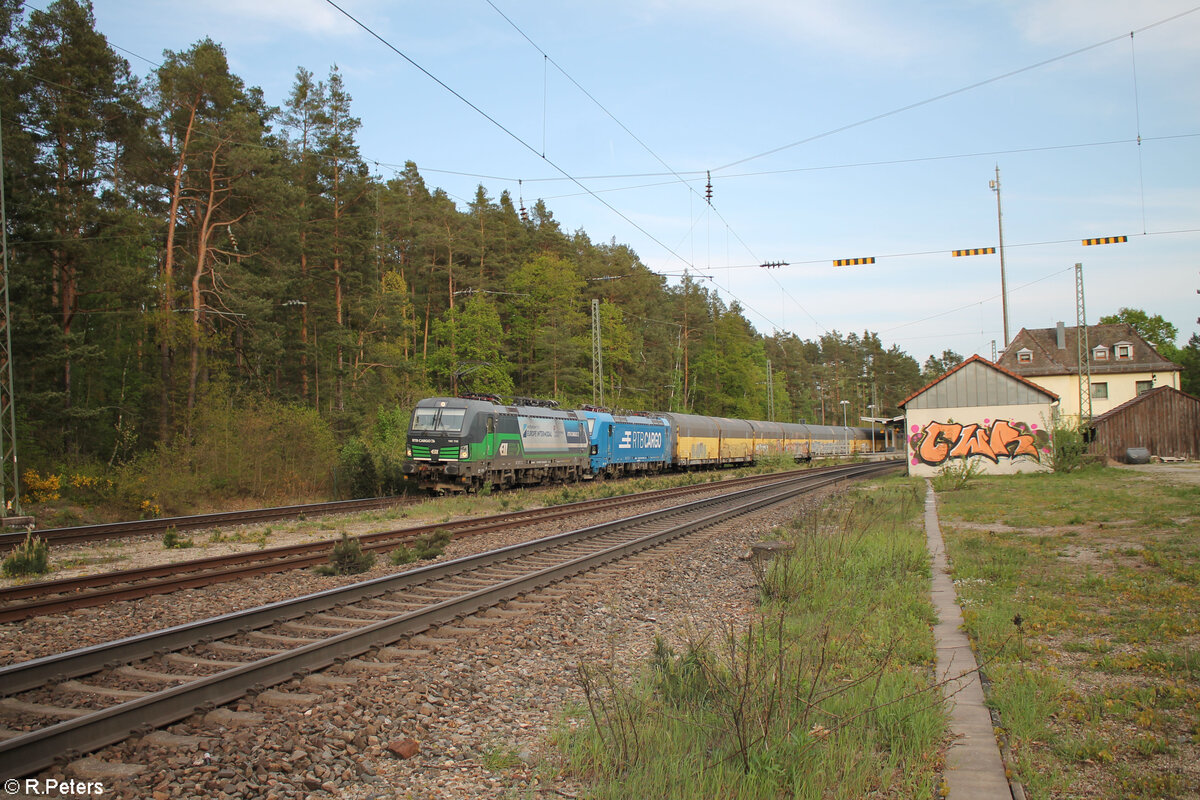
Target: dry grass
1099, 693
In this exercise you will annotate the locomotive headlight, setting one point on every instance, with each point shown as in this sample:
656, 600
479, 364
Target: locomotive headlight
408, 450
464, 451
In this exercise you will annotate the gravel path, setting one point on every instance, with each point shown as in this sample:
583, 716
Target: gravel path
460, 713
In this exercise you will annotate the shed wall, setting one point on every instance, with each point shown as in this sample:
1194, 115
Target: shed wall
1167, 423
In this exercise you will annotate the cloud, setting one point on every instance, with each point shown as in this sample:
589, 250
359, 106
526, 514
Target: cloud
314, 17
1077, 21
877, 31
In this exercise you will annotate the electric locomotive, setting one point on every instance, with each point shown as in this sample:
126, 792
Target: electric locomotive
465, 443
627, 444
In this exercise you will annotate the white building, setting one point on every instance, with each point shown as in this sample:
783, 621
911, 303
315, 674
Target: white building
982, 413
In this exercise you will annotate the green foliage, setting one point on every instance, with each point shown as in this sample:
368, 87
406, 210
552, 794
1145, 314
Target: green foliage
426, 547
173, 541
264, 451
347, 558
936, 367
827, 694
31, 557
303, 293
1189, 359
1069, 448
957, 474
1086, 633
1154, 329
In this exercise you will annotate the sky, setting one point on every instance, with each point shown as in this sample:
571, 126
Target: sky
829, 130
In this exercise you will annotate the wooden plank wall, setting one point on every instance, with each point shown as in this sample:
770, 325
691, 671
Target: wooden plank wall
1166, 424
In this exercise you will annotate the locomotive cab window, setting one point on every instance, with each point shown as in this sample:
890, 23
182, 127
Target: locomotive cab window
449, 420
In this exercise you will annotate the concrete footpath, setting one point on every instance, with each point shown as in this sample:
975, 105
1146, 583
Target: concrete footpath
974, 768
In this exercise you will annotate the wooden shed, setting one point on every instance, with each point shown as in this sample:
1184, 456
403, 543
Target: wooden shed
1165, 421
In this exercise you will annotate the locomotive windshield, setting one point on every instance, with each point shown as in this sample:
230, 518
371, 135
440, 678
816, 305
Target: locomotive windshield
448, 420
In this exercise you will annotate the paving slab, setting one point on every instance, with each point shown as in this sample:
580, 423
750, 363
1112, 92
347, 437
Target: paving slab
974, 768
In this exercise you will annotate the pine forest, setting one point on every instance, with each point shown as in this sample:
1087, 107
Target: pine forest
213, 299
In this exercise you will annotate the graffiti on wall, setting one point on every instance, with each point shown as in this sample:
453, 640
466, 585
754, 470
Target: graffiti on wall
938, 442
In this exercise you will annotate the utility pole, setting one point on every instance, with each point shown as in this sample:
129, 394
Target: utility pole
1003, 280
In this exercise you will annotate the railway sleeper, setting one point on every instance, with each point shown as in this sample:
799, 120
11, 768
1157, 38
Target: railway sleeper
345, 622
289, 641
12, 705
303, 627
78, 687
327, 680
373, 667
273, 698
255, 652
196, 661
150, 675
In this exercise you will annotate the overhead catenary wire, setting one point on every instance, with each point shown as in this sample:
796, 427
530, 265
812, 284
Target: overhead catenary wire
593, 192
953, 92
503, 128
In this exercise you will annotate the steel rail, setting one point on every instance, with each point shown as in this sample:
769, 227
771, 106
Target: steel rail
29, 752
71, 593
137, 527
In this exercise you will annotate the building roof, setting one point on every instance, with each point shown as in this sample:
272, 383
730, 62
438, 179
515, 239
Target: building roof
1121, 409
985, 364
1050, 359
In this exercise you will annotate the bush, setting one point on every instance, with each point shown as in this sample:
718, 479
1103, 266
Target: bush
347, 558
427, 547
431, 545
31, 557
957, 474
39, 489
263, 451
173, 541
1070, 448
401, 556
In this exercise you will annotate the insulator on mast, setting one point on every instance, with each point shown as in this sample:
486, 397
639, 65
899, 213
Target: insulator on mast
521, 198
708, 187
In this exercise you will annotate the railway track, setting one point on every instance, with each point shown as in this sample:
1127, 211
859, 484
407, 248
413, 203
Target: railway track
52, 597
146, 527
48, 713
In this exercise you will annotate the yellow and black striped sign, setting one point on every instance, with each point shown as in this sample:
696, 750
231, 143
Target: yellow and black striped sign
974, 251
853, 262
1106, 240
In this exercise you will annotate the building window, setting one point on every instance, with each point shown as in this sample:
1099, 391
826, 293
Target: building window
1100, 353
1024, 356
1100, 391
1124, 351
1144, 386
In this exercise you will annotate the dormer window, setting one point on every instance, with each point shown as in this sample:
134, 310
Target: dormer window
1100, 353
1124, 351
1024, 356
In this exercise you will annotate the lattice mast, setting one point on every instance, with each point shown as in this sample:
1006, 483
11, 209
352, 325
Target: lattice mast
597, 357
10, 492
770, 393
1084, 350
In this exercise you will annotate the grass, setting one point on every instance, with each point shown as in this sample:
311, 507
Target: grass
828, 694
1099, 695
